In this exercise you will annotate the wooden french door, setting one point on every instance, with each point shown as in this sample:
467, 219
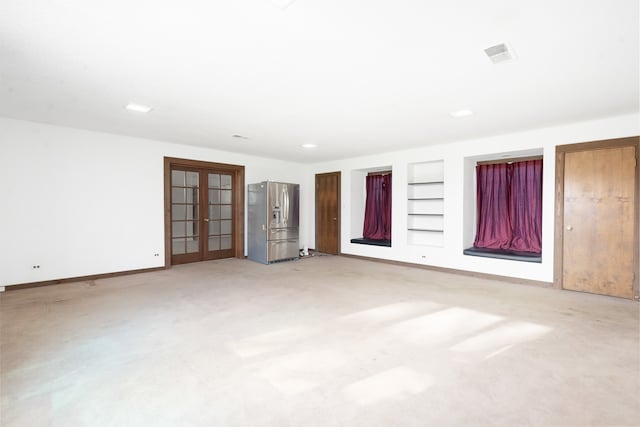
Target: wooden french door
204, 211
599, 219
328, 213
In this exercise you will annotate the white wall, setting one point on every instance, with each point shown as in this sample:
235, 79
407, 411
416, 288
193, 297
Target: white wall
459, 190
80, 203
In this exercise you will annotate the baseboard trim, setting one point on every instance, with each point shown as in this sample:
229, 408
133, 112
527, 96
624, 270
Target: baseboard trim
381, 260
478, 275
80, 279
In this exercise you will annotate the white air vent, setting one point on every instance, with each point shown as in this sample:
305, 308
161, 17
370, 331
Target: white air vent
500, 53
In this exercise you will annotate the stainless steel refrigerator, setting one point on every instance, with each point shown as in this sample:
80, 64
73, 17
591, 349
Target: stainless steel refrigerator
273, 221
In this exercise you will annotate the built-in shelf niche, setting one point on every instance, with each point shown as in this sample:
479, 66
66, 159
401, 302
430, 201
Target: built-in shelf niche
425, 199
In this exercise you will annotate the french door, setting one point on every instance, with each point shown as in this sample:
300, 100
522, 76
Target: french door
205, 217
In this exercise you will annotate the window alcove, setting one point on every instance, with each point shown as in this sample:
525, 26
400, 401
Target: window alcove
371, 191
503, 206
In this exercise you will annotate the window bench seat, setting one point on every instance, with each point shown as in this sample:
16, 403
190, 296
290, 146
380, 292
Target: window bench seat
363, 241
504, 254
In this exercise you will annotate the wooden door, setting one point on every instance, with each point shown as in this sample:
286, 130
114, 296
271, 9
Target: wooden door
202, 220
217, 212
328, 212
599, 221
204, 213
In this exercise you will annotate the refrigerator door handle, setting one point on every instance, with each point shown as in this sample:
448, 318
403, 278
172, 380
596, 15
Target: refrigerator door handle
286, 205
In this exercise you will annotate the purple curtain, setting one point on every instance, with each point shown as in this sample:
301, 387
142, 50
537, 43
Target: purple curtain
386, 207
492, 195
526, 206
377, 213
509, 200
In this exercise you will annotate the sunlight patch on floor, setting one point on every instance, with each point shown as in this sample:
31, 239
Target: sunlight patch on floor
300, 372
394, 384
502, 336
270, 341
442, 326
390, 312
498, 351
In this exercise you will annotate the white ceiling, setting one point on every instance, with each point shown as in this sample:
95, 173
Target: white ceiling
352, 76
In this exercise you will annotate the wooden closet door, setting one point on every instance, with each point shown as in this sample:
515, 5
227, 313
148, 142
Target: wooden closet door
328, 213
599, 209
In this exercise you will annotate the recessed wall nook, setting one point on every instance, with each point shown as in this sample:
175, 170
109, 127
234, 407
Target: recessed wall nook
425, 203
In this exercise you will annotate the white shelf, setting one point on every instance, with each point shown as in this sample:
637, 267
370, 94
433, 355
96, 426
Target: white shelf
426, 183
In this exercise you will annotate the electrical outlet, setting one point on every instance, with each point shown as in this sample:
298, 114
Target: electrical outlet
35, 267
156, 254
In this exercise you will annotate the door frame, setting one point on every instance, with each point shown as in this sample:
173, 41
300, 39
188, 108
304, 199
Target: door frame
238, 196
338, 174
561, 150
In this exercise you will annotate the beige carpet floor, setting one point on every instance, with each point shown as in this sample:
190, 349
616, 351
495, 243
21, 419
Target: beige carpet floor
324, 341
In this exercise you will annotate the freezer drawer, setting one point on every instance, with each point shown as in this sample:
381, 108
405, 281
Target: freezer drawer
283, 249
282, 234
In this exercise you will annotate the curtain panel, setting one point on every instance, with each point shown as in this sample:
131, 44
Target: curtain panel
377, 214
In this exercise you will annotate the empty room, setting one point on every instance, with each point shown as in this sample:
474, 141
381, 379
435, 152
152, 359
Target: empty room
319, 213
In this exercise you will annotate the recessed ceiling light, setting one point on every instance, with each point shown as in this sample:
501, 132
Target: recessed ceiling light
282, 4
309, 145
461, 113
138, 108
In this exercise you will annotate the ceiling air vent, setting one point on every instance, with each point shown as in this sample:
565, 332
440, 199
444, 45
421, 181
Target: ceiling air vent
500, 53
